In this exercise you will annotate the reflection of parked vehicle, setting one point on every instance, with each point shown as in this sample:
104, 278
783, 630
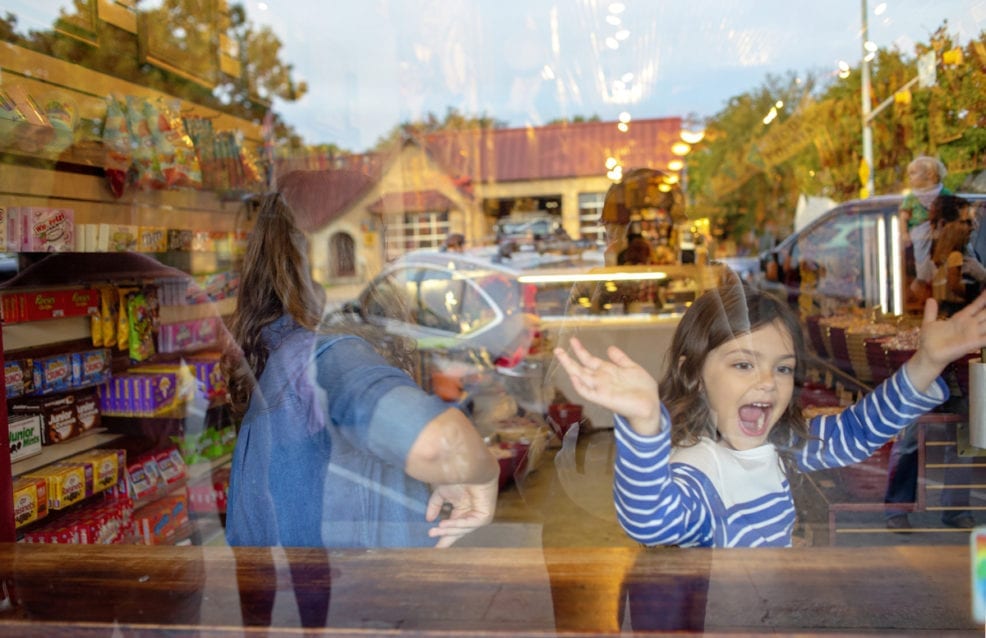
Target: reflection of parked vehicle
527, 229
851, 255
468, 308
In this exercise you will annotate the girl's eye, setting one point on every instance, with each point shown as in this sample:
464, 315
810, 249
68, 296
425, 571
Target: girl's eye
785, 369
743, 365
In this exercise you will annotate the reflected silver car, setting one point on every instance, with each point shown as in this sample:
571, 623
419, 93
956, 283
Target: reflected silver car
473, 310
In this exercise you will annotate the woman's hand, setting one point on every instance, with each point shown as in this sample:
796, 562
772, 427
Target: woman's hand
945, 340
619, 384
472, 506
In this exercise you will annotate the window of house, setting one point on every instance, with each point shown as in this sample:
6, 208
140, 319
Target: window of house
414, 231
590, 217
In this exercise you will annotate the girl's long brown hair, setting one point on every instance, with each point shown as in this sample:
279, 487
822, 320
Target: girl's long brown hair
717, 316
275, 280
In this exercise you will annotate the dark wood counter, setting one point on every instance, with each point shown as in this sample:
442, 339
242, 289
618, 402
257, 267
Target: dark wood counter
216, 591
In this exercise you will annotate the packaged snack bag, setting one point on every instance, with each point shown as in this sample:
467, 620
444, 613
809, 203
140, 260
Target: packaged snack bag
140, 322
117, 145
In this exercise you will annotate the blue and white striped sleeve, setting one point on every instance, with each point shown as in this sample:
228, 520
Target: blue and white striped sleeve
861, 429
654, 505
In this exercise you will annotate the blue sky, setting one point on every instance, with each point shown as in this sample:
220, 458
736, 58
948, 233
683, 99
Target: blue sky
374, 63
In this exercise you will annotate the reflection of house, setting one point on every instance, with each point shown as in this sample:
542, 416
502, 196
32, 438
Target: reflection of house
370, 209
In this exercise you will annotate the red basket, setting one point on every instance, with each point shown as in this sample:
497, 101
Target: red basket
840, 348
897, 358
876, 356
867, 481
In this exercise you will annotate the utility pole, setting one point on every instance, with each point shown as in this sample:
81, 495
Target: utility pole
866, 166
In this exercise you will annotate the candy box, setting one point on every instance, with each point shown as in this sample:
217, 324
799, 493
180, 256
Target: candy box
18, 376
90, 367
52, 374
105, 467
59, 421
171, 465
161, 520
66, 483
30, 500
24, 435
48, 229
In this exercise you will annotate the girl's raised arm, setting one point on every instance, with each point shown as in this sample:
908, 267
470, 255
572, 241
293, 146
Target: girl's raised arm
618, 384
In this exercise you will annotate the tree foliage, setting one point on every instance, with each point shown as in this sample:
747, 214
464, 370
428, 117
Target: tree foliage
453, 121
749, 171
119, 53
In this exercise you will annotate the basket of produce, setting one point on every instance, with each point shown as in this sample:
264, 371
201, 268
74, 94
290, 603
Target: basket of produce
856, 336
876, 357
838, 347
900, 348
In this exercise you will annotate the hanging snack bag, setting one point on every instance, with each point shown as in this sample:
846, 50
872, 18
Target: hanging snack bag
182, 168
122, 320
108, 315
146, 159
140, 318
118, 149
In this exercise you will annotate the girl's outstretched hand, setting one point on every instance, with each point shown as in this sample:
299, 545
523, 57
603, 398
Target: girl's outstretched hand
945, 340
619, 384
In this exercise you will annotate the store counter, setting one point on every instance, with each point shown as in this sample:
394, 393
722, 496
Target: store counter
71, 590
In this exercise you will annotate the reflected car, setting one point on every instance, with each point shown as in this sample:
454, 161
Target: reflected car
473, 311
849, 256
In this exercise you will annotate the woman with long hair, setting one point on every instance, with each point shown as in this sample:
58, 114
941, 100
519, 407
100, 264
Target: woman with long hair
337, 446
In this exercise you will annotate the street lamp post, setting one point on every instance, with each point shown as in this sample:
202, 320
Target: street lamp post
866, 167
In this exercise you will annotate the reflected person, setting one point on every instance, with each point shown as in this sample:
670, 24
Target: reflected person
337, 447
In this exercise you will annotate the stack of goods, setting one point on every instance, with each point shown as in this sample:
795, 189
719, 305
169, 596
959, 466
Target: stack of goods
60, 485
147, 146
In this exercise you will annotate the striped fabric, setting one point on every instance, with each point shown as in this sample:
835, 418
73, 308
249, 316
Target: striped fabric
708, 495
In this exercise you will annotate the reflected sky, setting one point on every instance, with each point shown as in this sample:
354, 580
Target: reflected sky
373, 64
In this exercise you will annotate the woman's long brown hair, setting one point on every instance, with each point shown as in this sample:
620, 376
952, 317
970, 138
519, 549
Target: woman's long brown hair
275, 280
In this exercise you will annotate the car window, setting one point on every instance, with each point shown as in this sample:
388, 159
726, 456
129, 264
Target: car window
439, 299
391, 296
841, 259
477, 312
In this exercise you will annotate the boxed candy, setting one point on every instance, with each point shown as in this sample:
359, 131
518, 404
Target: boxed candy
62, 417
66, 483
30, 500
39, 305
105, 464
160, 521
24, 435
137, 394
38, 229
18, 375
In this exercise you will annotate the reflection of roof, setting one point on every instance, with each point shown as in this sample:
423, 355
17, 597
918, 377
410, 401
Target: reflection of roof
412, 202
553, 152
318, 197
558, 151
